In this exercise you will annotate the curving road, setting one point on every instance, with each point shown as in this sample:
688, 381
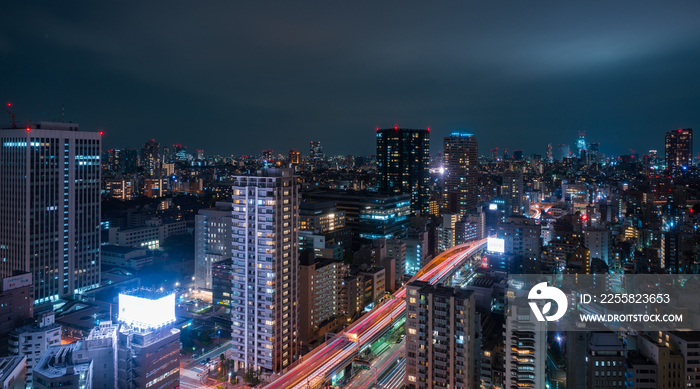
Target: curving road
313, 367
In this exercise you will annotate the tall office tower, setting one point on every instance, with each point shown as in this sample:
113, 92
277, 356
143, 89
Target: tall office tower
525, 349
494, 154
606, 361
403, 158
129, 161
679, 150
521, 237
518, 155
294, 156
594, 152
506, 154
265, 291
200, 154
461, 152
440, 337
315, 151
212, 241
165, 157
513, 192
151, 158
50, 209
564, 152
550, 153
148, 354
581, 143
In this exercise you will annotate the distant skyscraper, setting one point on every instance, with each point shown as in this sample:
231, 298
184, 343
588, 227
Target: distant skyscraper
550, 153
212, 241
294, 156
564, 152
513, 192
265, 294
461, 152
315, 151
403, 158
581, 144
50, 208
440, 337
679, 150
518, 155
129, 161
151, 158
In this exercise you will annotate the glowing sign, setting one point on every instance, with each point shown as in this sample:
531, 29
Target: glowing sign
495, 245
493, 207
146, 313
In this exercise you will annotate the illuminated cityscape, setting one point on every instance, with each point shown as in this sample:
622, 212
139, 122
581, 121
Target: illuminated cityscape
306, 196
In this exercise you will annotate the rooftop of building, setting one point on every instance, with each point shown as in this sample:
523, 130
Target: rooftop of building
440, 290
605, 341
9, 364
688, 336
118, 249
58, 361
56, 126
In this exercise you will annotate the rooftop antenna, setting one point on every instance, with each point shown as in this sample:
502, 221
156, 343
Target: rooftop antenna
63, 114
12, 115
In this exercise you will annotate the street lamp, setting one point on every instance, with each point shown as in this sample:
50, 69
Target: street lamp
229, 379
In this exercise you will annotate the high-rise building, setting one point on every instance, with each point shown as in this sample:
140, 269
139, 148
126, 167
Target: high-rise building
294, 156
564, 151
416, 249
265, 257
403, 157
521, 237
151, 158
440, 337
212, 241
129, 161
550, 153
679, 150
461, 152
50, 209
525, 349
512, 190
315, 151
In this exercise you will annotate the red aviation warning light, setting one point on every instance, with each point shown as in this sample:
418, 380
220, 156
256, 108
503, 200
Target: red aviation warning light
584, 217
28, 129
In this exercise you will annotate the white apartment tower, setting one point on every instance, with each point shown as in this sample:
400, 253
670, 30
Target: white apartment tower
212, 241
50, 208
265, 257
525, 349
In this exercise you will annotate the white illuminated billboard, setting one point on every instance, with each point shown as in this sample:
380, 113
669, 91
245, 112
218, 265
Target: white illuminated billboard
495, 245
493, 207
146, 313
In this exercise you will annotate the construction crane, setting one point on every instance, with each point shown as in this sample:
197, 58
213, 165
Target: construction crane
12, 115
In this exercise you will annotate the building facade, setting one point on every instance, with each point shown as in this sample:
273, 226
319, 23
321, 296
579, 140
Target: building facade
50, 210
265, 256
440, 337
212, 241
403, 158
461, 161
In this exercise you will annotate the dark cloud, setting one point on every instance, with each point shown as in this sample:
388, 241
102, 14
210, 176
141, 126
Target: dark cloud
234, 78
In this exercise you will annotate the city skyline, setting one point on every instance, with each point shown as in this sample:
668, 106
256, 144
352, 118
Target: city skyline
514, 70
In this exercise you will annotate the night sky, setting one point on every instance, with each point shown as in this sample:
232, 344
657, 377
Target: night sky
238, 77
